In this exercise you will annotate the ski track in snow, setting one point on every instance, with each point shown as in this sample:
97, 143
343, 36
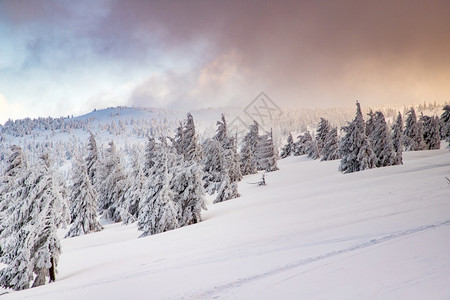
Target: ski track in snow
215, 292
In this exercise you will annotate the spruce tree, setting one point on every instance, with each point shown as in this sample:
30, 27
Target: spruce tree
187, 187
130, 206
431, 134
190, 147
445, 121
356, 151
92, 158
381, 141
248, 150
157, 211
413, 132
83, 201
149, 159
322, 131
30, 244
288, 149
266, 153
330, 149
213, 162
397, 140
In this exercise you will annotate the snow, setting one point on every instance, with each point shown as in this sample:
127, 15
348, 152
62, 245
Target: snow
312, 232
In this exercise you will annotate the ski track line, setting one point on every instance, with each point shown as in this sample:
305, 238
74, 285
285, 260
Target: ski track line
214, 292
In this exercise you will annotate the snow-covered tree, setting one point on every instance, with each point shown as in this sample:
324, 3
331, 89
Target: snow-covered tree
445, 123
83, 201
149, 159
413, 133
130, 206
381, 141
288, 149
302, 143
29, 242
187, 187
213, 162
157, 211
191, 148
397, 140
111, 184
248, 150
266, 153
431, 134
356, 151
91, 158
322, 131
370, 124
227, 190
330, 149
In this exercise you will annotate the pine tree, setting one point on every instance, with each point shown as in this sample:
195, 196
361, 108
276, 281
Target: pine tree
213, 165
266, 153
397, 140
322, 131
149, 159
431, 134
187, 187
191, 149
30, 244
356, 151
288, 149
445, 121
227, 190
302, 143
381, 141
413, 132
92, 158
83, 202
370, 124
130, 206
248, 150
157, 212
111, 185
330, 149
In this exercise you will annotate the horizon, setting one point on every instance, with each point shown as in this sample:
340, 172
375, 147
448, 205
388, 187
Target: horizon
64, 58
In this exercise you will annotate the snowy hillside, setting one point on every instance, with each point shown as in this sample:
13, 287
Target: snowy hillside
311, 233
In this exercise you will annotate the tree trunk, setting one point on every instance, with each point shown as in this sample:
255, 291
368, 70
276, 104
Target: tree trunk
52, 270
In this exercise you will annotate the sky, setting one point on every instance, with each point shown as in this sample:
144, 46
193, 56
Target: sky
61, 57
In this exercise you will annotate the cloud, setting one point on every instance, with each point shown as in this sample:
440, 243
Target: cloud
9, 110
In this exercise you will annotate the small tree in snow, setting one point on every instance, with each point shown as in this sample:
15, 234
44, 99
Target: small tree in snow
248, 150
266, 153
288, 149
322, 131
92, 158
413, 132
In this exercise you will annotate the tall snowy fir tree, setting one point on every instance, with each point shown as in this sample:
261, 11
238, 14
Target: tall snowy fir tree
355, 149
431, 132
397, 140
187, 187
266, 153
248, 150
330, 149
213, 165
413, 139
190, 146
130, 205
30, 245
445, 123
322, 131
157, 211
92, 158
370, 124
381, 141
227, 190
83, 201
111, 184
288, 149
149, 158
302, 144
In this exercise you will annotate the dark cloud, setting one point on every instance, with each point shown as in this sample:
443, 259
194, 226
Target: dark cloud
300, 52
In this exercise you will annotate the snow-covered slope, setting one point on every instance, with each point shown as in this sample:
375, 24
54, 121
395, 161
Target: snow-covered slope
311, 233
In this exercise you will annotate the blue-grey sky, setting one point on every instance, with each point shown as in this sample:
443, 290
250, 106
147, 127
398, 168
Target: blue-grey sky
61, 57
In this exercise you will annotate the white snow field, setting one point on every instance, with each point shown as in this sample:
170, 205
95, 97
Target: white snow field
311, 233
